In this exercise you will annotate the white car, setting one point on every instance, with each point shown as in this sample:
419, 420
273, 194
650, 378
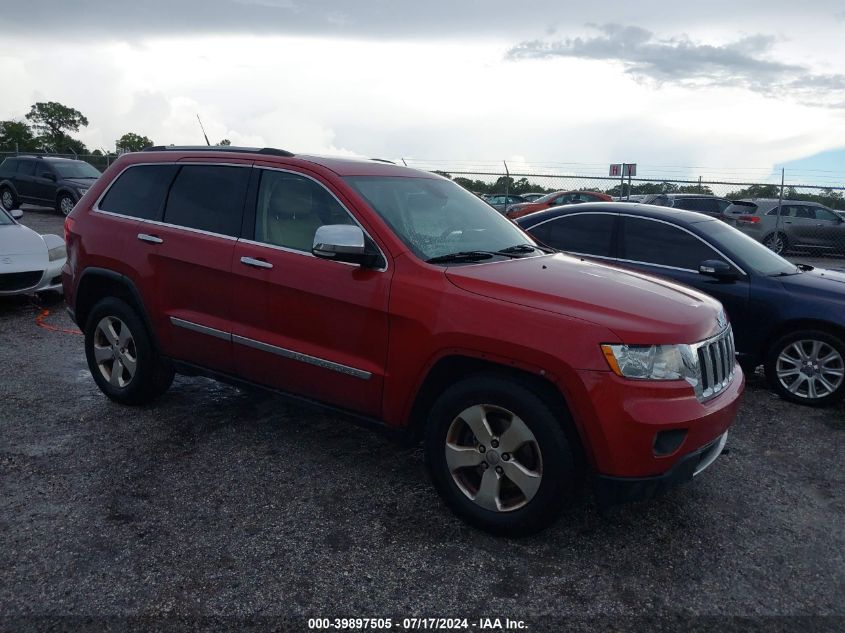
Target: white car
29, 262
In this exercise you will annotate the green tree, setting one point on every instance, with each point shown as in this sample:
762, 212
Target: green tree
16, 136
132, 142
225, 142
52, 122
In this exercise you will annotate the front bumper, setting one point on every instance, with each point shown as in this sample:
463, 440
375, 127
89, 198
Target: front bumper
643, 429
611, 491
51, 279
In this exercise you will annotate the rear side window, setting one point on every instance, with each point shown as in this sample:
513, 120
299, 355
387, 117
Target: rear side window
658, 243
139, 191
702, 205
26, 168
583, 233
209, 198
9, 167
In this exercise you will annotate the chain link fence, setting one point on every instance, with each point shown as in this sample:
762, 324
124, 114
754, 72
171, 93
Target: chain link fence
791, 218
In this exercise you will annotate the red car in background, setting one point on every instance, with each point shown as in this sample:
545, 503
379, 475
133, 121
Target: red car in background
555, 200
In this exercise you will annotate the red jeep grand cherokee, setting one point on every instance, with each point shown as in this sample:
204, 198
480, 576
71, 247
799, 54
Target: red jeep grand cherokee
399, 297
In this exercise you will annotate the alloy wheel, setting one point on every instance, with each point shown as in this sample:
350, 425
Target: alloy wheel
494, 458
8, 200
66, 205
810, 369
115, 352
775, 243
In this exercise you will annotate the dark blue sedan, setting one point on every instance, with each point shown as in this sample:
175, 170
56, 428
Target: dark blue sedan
789, 318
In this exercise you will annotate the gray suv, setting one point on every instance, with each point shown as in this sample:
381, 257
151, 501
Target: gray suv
702, 203
803, 225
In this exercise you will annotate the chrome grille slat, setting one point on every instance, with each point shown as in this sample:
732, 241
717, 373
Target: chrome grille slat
716, 359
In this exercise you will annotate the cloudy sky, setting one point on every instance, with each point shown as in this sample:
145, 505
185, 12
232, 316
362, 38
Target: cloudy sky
736, 88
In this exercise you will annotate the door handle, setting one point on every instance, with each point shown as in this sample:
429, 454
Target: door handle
255, 263
152, 239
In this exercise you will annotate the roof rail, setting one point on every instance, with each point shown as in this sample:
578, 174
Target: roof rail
220, 148
383, 160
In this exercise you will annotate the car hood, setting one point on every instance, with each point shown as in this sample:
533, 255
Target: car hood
823, 283
638, 308
21, 249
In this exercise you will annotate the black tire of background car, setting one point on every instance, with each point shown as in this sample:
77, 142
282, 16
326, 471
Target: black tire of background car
15, 200
60, 198
153, 375
768, 242
560, 475
779, 345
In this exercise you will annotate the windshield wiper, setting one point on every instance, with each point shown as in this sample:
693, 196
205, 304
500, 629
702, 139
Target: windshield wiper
462, 256
519, 248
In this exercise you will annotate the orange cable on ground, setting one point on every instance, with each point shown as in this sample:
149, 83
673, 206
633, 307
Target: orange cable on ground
39, 321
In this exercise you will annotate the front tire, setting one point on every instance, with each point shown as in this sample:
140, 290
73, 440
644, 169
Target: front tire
498, 456
807, 367
64, 204
121, 356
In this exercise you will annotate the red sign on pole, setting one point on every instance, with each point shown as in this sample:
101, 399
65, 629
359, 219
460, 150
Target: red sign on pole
630, 169
616, 170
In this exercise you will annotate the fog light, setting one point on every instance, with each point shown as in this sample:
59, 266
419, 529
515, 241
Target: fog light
667, 442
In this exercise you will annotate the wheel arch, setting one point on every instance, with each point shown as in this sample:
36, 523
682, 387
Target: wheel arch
455, 367
795, 325
98, 283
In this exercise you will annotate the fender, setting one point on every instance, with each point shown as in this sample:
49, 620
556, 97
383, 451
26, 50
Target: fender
125, 282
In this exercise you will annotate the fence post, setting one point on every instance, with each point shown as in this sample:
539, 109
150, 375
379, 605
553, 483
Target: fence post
700, 190
780, 198
507, 183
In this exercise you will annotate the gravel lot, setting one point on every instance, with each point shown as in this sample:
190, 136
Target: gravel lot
222, 502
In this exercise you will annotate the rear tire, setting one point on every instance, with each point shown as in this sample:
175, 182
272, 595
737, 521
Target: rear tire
498, 456
776, 242
121, 356
807, 367
8, 199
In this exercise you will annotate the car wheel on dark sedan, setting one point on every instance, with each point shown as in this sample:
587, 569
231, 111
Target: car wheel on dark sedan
808, 367
64, 204
498, 456
121, 357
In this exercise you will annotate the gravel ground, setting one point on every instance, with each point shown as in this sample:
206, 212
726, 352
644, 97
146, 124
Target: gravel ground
222, 503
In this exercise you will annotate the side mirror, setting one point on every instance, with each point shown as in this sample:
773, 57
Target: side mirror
718, 269
342, 243
17, 214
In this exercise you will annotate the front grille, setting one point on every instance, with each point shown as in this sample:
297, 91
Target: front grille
10, 282
716, 361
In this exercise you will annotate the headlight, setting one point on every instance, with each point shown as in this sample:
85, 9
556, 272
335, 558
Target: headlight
57, 252
652, 362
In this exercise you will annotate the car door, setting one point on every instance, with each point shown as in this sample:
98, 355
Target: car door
829, 230
799, 223
590, 234
24, 180
190, 255
301, 324
44, 183
659, 247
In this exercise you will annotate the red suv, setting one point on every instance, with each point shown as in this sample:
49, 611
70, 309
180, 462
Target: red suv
398, 297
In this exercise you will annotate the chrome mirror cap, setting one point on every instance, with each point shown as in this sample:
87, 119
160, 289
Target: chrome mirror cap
342, 242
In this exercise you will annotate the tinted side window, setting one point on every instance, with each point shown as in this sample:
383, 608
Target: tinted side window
139, 191
658, 243
586, 233
209, 198
824, 214
26, 168
9, 166
291, 208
